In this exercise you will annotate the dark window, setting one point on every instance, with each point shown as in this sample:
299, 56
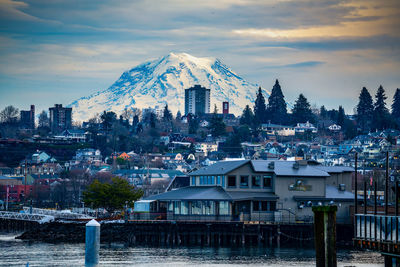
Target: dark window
256, 205
264, 206
256, 181
272, 206
267, 181
244, 181
231, 181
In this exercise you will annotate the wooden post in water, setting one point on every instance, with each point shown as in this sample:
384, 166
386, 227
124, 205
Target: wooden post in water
92, 246
325, 235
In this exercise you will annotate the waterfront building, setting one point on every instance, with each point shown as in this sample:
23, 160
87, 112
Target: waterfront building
197, 100
257, 190
60, 118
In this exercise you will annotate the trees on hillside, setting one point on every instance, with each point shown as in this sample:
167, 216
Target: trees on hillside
301, 111
276, 108
111, 196
365, 110
381, 115
259, 108
247, 117
396, 107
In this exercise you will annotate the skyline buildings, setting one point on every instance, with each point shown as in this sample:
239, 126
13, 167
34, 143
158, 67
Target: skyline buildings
197, 100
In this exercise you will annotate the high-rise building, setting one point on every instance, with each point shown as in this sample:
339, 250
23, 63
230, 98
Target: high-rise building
225, 107
27, 118
60, 118
197, 100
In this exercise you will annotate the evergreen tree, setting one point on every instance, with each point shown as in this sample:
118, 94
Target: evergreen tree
323, 112
259, 108
365, 110
217, 125
341, 116
381, 115
247, 117
153, 120
396, 107
301, 111
178, 115
276, 109
167, 115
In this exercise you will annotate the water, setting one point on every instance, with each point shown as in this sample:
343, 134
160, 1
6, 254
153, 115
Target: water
18, 253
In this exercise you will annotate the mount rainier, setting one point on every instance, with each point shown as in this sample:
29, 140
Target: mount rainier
163, 81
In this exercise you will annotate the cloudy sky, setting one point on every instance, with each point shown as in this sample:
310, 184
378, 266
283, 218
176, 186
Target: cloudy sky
55, 51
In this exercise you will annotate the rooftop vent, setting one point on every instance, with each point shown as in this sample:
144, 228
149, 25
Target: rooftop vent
271, 165
296, 165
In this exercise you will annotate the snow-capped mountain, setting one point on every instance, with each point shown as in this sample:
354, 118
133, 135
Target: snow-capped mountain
163, 81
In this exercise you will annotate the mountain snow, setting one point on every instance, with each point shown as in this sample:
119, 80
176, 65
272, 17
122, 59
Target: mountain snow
163, 81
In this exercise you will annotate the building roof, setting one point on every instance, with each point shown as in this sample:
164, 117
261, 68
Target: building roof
242, 195
220, 168
210, 193
285, 168
335, 169
332, 194
193, 193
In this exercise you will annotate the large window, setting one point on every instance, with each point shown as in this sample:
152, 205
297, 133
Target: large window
184, 208
171, 206
264, 205
231, 181
272, 206
218, 180
223, 181
223, 208
177, 207
256, 181
193, 180
208, 208
196, 207
256, 205
267, 181
244, 181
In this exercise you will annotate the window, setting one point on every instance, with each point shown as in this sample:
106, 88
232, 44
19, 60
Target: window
264, 205
212, 179
196, 207
223, 181
256, 181
184, 208
256, 205
177, 207
223, 208
267, 181
208, 208
272, 206
201, 180
171, 206
193, 180
244, 181
231, 181
218, 180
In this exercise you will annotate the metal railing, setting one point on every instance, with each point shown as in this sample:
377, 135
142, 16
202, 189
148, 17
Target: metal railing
378, 227
57, 213
40, 218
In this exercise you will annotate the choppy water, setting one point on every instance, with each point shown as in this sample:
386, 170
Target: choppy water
18, 253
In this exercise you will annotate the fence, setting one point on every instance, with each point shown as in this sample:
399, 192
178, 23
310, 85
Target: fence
377, 227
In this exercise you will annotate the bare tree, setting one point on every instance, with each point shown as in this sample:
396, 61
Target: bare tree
9, 115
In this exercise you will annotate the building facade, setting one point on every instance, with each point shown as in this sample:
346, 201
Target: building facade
27, 118
258, 190
60, 118
197, 100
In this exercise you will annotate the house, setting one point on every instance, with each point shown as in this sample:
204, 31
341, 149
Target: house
334, 128
77, 135
305, 127
276, 129
206, 147
88, 155
257, 190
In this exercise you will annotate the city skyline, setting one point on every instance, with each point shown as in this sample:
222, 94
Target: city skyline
56, 52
